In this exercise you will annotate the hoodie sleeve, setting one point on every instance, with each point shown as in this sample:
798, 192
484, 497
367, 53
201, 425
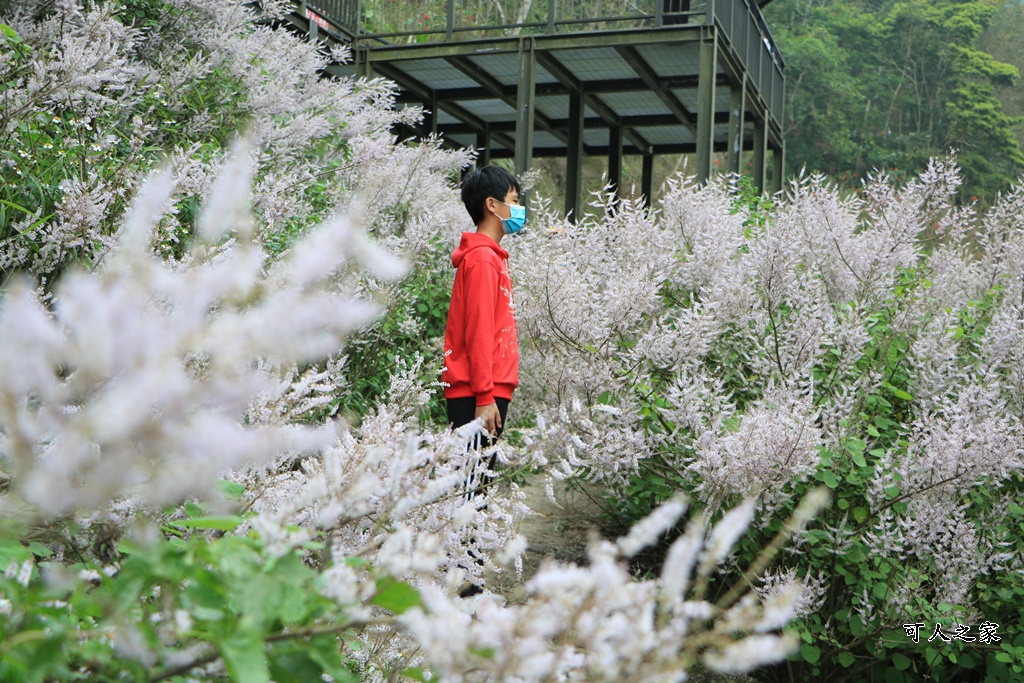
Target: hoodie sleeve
481, 286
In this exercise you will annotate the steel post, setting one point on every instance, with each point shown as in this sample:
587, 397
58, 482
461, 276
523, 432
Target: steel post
737, 112
647, 178
574, 157
524, 106
706, 102
615, 159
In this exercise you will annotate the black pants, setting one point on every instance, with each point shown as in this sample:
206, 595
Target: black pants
462, 411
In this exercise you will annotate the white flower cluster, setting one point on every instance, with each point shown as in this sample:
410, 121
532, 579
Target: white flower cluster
88, 59
595, 623
392, 494
143, 372
739, 348
139, 382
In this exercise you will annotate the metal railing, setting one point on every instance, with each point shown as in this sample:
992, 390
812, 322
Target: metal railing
430, 21
752, 44
419, 21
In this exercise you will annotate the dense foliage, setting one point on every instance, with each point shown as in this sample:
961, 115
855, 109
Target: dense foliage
886, 84
724, 347
182, 320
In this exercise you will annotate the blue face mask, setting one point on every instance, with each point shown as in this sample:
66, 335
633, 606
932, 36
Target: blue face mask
516, 220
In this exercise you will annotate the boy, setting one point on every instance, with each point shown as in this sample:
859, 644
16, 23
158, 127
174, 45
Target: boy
482, 363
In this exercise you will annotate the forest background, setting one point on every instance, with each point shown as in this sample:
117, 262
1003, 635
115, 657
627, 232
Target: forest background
889, 84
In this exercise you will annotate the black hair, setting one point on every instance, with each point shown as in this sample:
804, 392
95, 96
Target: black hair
489, 181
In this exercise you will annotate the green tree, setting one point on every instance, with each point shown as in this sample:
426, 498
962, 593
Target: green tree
884, 84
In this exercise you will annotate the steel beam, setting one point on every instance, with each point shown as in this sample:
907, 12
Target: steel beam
737, 109
409, 83
568, 80
615, 159
483, 145
647, 178
492, 84
431, 115
467, 48
631, 125
706, 104
525, 114
650, 77
760, 153
778, 168
605, 150
592, 87
574, 157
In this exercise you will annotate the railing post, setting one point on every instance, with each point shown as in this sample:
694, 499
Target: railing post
659, 13
450, 33
709, 13
551, 17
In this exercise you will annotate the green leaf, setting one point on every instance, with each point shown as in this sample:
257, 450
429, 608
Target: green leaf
244, 657
416, 674
898, 393
846, 659
856, 626
293, 666
810, 653
231, 489
224, 523
12, 551
39, 549
901, 662
396, 596
207, 613
830, 479
324, 651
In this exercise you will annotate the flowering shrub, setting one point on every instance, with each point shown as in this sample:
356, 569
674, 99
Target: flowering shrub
100, 428
868, 343
178, 499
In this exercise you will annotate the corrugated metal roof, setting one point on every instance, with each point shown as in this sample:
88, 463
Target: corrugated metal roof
635, 103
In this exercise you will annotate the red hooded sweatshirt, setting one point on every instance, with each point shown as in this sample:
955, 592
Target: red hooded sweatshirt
480, 339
